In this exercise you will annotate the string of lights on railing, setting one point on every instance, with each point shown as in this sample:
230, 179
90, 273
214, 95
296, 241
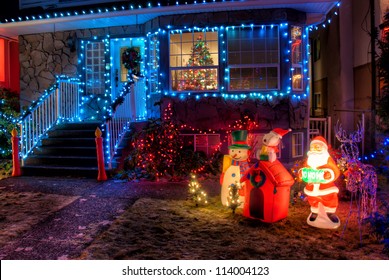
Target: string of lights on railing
45, 94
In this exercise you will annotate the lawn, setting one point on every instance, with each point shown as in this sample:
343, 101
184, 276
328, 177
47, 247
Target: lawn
177, 229
166, 224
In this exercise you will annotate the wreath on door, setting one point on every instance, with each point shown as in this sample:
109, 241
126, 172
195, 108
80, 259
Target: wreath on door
131, 59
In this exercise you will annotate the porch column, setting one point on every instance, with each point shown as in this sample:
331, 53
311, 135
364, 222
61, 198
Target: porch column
345, 96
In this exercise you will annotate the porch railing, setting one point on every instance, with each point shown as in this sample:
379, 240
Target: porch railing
59, 103
320, 126
130, 110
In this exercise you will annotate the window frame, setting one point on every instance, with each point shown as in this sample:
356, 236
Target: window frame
297, 149
216, 65
297, 68
265, 65
210, 149
153, 65
92, 89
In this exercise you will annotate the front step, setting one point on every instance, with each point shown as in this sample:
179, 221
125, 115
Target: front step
69, 142
59, 171
65, 151
68, 161
68, 150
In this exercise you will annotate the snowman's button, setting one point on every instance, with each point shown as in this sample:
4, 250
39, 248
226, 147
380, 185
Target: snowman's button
233, 175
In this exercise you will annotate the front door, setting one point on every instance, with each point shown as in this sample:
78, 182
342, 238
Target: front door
118, 70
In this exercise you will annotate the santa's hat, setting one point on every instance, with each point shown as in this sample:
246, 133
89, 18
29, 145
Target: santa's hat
321, 140
281, 132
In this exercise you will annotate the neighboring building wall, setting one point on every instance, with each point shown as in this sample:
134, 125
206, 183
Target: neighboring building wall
9, 61
345, 43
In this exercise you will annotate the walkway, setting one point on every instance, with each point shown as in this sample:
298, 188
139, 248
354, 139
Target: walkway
64, 234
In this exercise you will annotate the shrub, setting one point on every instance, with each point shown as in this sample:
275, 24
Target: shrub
9, 111
379, 226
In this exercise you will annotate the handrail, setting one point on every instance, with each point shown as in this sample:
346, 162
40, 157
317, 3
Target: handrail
123, 113
320, 126
58, 103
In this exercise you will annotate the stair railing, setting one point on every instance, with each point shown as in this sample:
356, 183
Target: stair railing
59, 103
125, 112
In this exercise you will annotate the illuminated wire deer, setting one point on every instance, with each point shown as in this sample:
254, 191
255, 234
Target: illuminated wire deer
361, 179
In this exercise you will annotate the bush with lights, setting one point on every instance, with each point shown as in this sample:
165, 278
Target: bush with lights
379, 226
196, 193
157, 150
233, 201
9, 111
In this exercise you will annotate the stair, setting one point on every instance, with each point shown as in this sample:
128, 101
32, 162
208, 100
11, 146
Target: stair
68, 150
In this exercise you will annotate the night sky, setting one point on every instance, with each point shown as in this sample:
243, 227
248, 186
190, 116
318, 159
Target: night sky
9, 8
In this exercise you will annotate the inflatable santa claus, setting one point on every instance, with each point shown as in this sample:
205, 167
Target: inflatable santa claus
322, 193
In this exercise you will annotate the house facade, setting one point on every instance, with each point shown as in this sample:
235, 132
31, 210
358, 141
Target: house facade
221, 65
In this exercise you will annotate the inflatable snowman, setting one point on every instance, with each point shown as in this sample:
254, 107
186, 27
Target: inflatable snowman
235, 164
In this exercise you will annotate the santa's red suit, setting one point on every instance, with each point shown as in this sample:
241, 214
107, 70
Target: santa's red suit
327, 192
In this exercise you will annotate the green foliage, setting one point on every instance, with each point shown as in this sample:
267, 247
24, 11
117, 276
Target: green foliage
9, 111
5, 168
157, 150
233, 201
131, 60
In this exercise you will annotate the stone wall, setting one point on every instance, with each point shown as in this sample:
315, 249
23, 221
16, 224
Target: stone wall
43, 57
216, 113
47, 55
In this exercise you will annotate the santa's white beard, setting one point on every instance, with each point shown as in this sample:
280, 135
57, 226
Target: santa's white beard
316, 159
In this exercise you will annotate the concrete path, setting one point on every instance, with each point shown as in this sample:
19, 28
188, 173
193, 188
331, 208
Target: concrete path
64, 234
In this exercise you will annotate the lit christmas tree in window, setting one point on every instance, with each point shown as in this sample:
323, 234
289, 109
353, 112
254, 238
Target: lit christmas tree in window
199, 78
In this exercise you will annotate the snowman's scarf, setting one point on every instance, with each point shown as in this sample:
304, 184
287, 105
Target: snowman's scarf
244, 165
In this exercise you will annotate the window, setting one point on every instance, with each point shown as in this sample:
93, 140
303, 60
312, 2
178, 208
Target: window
297, 58
194, 59
207, 143
95, 68
253, 58
153, 64
297, 144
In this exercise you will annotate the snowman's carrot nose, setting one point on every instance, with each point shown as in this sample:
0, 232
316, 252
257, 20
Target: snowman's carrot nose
234, 156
